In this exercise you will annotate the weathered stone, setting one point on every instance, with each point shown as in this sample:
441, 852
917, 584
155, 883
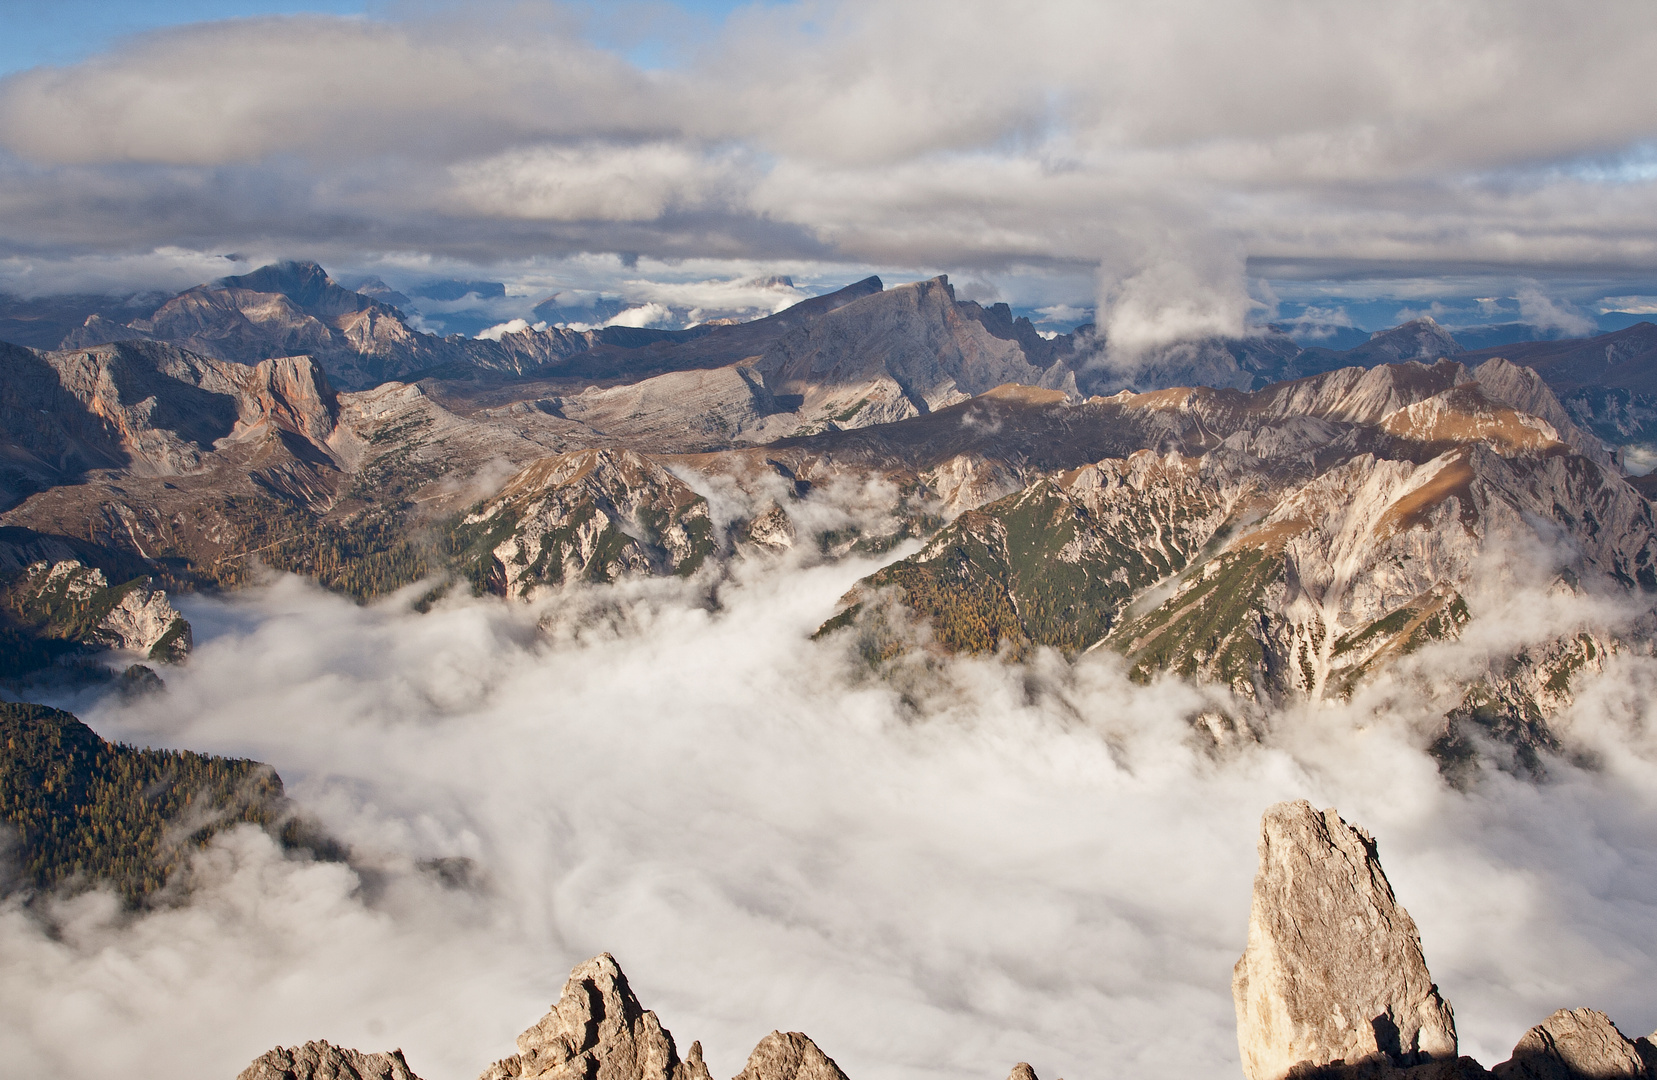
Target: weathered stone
1022, 1071
789, 1056
324, 1061
598, 1031
1333, 972
1574, 1044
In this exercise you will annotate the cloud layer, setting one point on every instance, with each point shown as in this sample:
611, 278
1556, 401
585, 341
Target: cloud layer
1307, 140
1001, 863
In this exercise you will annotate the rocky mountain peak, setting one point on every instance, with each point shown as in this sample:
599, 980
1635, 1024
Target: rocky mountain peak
1578, 1043
597, 1031
1418, 339
323, 1061
305, 283
789, 1056
1333, 971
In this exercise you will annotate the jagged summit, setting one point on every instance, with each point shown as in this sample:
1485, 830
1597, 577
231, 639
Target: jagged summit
1334, 970
1334, 985
598, 1031
322, 1060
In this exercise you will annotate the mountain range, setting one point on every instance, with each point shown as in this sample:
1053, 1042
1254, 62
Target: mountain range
1279, 521
1268, 523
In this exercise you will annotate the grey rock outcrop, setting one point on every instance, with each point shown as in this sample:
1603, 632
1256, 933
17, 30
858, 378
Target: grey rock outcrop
598, 1031
324, 1061
1576, 1044
1333, 972
789, 1056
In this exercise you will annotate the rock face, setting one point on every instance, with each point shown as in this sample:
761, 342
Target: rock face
324, 1061
68, 601
1333, 972
1294, 541
904, 352
789, 1056
594, 515
1575, 1044
598, 1031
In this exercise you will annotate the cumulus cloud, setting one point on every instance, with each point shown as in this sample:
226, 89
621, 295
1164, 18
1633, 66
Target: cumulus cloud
499, 330
1177, 292
998, 863
1542, 311
863, 133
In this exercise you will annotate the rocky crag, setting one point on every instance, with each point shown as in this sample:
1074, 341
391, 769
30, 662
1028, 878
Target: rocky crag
1334, 984
597, 1030
1334, 969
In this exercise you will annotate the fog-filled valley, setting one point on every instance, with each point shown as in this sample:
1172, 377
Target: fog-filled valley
975, 863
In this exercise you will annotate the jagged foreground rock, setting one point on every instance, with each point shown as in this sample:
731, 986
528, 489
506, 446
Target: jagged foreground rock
1578, 1043
1334, 985
598, 1031
1333, 970
789, 1056
324, 1061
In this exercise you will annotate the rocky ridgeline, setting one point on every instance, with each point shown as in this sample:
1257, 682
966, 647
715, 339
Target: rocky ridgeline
596, 1031
1333, 985
1296, 542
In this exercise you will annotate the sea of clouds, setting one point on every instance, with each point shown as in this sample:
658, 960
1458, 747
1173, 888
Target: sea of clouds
937, 876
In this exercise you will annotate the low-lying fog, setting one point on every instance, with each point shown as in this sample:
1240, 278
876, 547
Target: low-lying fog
1011, 863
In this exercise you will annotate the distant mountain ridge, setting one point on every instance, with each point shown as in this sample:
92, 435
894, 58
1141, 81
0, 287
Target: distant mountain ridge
932, 349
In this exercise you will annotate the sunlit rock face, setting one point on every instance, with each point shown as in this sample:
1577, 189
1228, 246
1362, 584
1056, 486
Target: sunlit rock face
789, 1056
594, 515
1576, 1044
598, 1031
324, 1061
1299, 541
1334, 970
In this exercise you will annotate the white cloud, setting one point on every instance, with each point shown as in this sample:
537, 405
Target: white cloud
643, 315
862, 133
511, 326
597, 183
1542, 311
999, 863
1633, 305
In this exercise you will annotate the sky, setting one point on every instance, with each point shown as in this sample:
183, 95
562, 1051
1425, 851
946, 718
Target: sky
1178, 168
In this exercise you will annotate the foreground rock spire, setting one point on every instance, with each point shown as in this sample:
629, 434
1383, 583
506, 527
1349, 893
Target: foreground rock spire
1334, 970
324, 1061
598, 1031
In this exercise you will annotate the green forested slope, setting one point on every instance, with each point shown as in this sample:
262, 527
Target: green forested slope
87, 811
